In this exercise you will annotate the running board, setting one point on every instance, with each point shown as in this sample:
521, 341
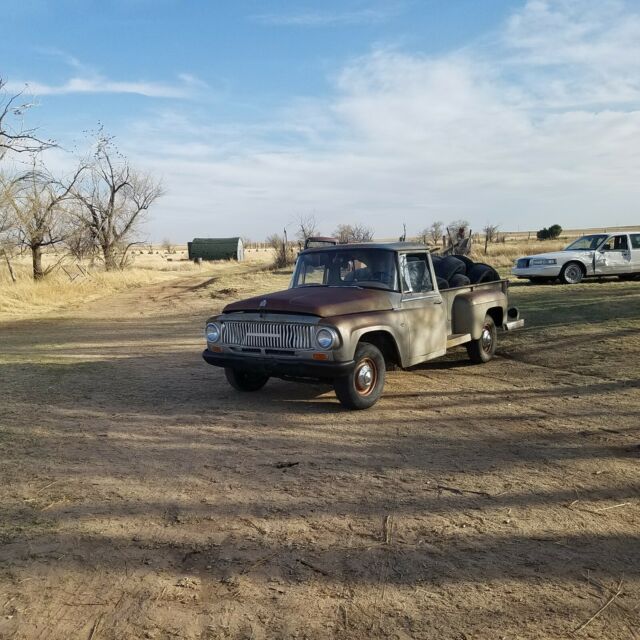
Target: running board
458, 338
514, 324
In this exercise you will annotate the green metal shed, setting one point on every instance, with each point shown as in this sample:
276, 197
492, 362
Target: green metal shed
216, 249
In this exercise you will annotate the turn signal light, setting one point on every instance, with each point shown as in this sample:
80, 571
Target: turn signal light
320, 356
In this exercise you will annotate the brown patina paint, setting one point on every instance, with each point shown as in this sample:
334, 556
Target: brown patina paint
318, 301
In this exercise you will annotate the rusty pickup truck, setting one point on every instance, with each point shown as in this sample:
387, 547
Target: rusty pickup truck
351, 311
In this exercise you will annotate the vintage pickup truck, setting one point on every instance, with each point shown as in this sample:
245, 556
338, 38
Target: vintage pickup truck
349, 313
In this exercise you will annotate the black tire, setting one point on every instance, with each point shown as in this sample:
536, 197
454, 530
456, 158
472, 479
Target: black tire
459, 280
483, 349
442, 283
481, 272
245, 380
468, 262
363, 387
572, 273
449, 266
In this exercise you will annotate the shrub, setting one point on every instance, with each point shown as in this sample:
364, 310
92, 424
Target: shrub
550, 233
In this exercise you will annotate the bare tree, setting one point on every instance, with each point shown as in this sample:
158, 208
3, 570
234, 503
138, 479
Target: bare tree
343, 233
458, 227
168, 246
6, 225
307, 227
491, 232
80, 244
436, 230
490, 235
432, 234
346, 233
6, 220
283, 251
79, 241
14, 136
36, 201
115, 197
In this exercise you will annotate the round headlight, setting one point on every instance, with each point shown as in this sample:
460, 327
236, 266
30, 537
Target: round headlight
213, 332
326, 338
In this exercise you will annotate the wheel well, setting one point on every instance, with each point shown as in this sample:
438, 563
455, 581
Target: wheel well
584, 269
497, 314
384, 341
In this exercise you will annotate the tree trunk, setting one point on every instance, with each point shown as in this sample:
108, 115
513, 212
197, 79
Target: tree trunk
109, 253
36, 255
11, 273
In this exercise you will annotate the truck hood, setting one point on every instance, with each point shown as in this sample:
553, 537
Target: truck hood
317, 301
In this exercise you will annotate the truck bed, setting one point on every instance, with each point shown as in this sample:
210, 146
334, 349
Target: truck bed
481, 294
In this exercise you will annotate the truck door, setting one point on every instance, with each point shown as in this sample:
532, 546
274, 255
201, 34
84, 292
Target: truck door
614, 256
422, 306
635, 252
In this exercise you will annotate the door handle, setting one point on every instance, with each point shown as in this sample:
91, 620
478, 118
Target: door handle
437, 302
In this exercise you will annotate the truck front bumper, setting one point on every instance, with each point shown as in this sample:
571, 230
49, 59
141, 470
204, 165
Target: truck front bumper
280, 367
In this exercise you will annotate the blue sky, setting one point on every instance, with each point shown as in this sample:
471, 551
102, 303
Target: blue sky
517, 113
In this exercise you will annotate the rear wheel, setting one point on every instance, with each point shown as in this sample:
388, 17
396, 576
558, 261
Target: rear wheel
484, 348
245, 380
362, 388
572, 273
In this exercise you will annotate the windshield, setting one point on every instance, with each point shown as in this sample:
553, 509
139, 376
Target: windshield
587, 243
366, 268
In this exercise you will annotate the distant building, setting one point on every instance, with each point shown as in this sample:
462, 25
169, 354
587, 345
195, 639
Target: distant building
216, 249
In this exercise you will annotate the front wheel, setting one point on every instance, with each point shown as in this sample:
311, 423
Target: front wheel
572, 273
244, 380
484, 348
362, 388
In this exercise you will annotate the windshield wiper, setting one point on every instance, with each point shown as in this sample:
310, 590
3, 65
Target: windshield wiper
382, 287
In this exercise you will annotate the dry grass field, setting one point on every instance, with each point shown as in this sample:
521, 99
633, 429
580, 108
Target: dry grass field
141, 497
72, 283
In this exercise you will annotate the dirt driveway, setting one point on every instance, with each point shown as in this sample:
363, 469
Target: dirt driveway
142, 498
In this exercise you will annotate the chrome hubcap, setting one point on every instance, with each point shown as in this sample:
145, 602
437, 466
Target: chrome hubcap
366, 377
573, 274
487, 339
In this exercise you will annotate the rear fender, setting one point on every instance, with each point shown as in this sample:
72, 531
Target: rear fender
469, 311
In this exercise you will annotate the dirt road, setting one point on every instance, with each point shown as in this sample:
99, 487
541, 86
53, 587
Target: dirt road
142, 498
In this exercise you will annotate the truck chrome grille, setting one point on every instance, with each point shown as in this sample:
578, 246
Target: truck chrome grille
267, 335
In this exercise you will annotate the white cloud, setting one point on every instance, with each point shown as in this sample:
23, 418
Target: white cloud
541, 125
571, 52
98, 84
